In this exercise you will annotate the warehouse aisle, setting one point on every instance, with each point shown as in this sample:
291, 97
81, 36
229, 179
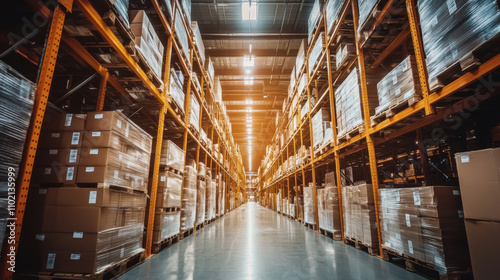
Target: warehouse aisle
253, 242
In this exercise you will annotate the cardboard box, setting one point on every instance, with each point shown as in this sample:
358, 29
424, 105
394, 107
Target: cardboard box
479, 177
107, 175
72, 241
80, 219
102, 139
108, 120
56, 174
62, 139
64, 122
97, 197
484, 248
430, 195
100, 156
70, 262
50, 157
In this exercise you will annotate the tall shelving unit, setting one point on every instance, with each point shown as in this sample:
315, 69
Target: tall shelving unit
370, 145
161, 118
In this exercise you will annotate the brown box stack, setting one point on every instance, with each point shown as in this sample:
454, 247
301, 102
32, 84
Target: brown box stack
328, 206
425, 223
479, 177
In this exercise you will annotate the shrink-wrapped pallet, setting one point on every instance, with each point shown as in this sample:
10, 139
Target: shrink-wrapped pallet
332, 13
313, 19
182, 36
348, 104
198, 41
359, 214
189, 196
316, 51
309, 205
194, 119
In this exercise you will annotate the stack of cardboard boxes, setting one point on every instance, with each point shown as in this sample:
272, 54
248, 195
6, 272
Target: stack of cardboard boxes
85, 230
201, 196
309, 205
426, 224
328, 206
189, 195
479, 176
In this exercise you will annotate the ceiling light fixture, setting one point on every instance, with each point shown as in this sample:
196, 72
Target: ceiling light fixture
249, 109
249, 10
248, 80
248, 61
250, 48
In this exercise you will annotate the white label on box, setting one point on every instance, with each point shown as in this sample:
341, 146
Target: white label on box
122, 252
89, 169
74, 257
116, 174
461, 214
51, 259
47, 171
408, 222
53, 152
72, 156
96, 133
92, 197
464, 158
77, 234
163, 178
70, 173
398, 197
98, 116
40, 237
410, 246
456, 192
42, 191
55, 135
94, 151
416, 198
394, 79
69, 118
76, 138
119, 123
452, 6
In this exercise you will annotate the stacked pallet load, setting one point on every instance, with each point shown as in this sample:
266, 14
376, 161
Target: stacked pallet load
348, 107
189, 195
309, 205
301, 54
479, 177
279, 202
332, 9
198, 40
201, 194
168, 197
366, 10
182, 37
121, 7
399, 87
16, 103
89, 228
177, 89
345, 51
316, 51
450, 33
320, 125
328, 207
194, 117
210, 198
360, 224
425, 224
147, 42
313, 19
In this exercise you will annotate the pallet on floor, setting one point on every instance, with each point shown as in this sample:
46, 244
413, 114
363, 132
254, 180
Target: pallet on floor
164, 244
334, 236
414, 265
370, 249
111, 272
311, 226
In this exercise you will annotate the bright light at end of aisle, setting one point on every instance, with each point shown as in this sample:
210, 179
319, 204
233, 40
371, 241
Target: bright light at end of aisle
248, 81
248, 61
248, 101
249, 10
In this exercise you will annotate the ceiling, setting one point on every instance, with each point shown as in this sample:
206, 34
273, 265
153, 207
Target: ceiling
275, 38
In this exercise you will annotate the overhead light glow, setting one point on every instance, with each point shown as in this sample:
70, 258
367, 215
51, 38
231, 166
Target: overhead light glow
248, 61
249, 101
249, 125
249, 10
265, 96
249, 109
248, 81
250, 48
248, 71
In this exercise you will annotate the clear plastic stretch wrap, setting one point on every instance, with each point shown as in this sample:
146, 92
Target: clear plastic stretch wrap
16, 103
210, 199
186, 6
167, 224
425, 223
328, 206
189, 195
279, 202
451, 31
201, 202
365, 9
293, 210
313, 19
293, 79
209, 67
359, 214
176, 89
181, 33
344, 52
202, 170
122, 9
169, 190
320, 122
399, 85
194, 119
316, 52
332, 13
147, 41
300, 89
299, 62
204, 136
198, 40
172, 156
348, 104
309, 205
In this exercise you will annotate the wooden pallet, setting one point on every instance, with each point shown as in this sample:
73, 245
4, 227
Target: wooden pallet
200, 226
170, 209
164, 244
334, 236
394, 109
111, 187
307, 225
414, 265
138, 57
116, 24
111, 272
370, 249
351, 133
178, 109
323, 148
171, 169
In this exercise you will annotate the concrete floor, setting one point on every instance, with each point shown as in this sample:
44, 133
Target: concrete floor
253, 242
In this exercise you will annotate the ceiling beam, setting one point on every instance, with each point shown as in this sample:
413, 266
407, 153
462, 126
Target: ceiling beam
255, 72
243, 36
255, 52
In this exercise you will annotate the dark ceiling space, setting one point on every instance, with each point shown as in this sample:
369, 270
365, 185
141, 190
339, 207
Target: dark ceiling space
274, 38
